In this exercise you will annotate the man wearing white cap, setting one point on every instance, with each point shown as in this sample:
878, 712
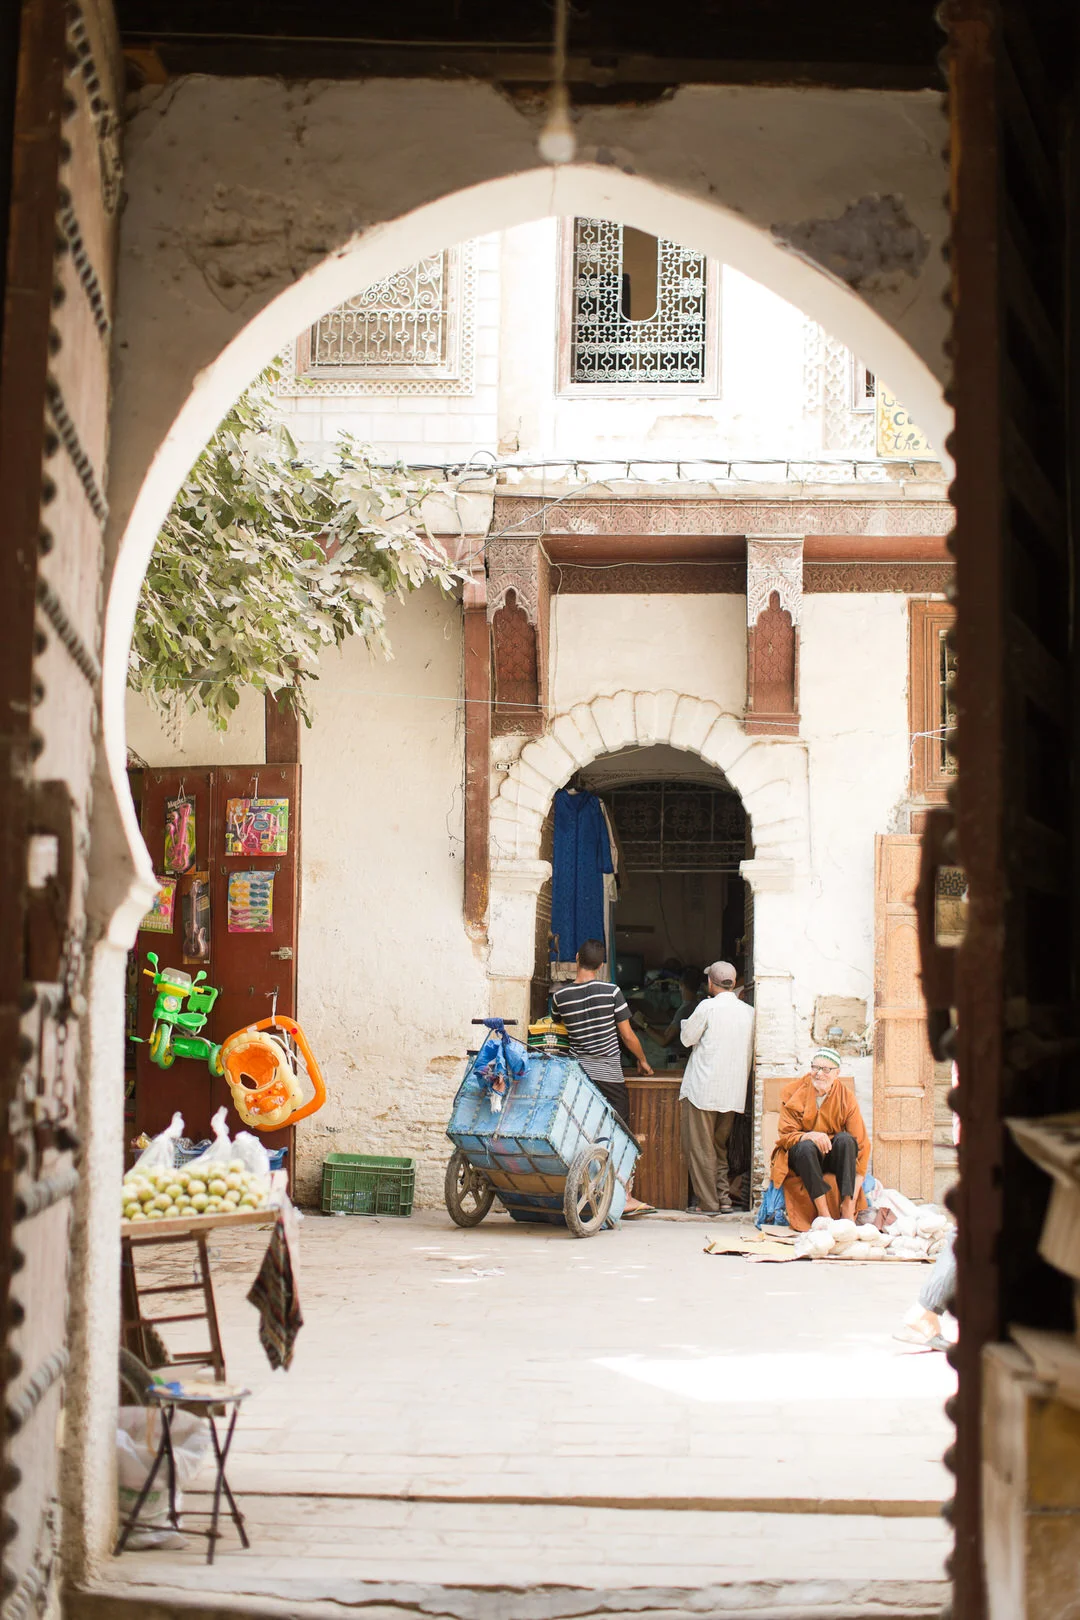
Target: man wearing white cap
720, 1033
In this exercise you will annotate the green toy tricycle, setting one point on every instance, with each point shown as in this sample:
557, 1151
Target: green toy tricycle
175, 1033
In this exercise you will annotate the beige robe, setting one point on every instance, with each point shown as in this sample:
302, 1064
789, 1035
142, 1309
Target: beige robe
799, 1114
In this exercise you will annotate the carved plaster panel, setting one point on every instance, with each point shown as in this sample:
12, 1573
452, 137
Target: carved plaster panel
721, 515
773, 565
514, 565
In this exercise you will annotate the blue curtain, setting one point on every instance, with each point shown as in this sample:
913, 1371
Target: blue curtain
581, 856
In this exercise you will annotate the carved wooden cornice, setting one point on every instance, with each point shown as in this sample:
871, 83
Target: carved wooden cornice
719, 515
910, 579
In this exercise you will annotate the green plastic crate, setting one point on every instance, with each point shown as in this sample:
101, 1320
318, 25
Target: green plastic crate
364, 1184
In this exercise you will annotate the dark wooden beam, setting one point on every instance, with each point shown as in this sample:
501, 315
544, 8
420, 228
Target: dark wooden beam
282, 731
616, 47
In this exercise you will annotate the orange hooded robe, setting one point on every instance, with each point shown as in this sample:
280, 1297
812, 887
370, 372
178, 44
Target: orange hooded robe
799, 1114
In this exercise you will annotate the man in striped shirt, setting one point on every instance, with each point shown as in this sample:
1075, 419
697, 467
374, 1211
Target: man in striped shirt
597, 1018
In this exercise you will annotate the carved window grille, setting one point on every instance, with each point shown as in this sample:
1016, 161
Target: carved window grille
602, 345
410, 333
932, 678
679, 827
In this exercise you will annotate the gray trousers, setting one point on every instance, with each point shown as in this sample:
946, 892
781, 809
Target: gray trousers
705, 1135
940, 1287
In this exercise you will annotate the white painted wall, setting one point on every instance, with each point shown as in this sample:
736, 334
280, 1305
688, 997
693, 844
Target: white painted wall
607, 644
388, 979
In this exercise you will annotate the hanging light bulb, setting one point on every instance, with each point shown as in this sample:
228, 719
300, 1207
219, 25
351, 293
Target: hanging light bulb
557, 143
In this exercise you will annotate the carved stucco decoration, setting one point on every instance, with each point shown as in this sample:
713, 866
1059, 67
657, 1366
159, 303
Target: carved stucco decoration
514, 565
721, 515
773, 565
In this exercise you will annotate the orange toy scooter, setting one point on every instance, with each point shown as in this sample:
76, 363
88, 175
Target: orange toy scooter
262, 1074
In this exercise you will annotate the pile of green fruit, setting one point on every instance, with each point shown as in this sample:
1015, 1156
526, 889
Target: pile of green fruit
161, 1195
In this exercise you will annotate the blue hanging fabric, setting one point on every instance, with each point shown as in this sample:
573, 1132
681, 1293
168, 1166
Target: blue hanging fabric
581, 856
500, 1061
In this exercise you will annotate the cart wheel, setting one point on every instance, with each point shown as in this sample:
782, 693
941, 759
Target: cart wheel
467, 1191
590, 1187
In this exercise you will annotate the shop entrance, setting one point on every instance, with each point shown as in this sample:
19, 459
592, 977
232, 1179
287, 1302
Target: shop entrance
674, 903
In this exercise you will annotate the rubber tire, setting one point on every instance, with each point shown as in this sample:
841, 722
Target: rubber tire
576, 1178
135, 1379
483, 1191
161, 1047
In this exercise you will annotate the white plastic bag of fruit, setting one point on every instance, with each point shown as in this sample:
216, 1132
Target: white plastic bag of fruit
220, 1181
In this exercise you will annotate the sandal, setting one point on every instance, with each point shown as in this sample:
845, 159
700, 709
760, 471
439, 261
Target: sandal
640, 1209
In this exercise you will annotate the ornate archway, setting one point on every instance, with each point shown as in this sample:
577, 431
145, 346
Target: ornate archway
772, 778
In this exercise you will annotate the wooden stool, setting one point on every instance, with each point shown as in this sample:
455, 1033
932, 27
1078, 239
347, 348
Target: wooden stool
167, 1397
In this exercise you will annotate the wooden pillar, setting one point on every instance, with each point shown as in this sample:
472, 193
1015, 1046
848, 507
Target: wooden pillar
773, 609
477, 755
282, 731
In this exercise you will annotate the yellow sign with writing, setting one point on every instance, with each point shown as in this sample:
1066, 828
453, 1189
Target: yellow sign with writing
897, 435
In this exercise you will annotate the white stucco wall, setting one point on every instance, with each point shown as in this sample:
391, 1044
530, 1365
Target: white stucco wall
388, 980
606, 644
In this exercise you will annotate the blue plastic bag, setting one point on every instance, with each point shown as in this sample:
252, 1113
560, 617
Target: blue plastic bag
500, 1061
773, 1211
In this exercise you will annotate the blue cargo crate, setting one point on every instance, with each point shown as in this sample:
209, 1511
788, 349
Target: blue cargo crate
524, 1152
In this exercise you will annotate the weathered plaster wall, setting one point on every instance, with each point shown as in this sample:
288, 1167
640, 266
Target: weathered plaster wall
605, 644
388, 979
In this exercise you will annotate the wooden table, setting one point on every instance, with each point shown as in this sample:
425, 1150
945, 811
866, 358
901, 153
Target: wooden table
662, 1178
192, 1229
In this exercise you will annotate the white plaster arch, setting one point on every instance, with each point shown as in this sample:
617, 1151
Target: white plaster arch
769, 774
152, 455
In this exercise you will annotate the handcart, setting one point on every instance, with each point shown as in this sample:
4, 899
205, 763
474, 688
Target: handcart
551, 1149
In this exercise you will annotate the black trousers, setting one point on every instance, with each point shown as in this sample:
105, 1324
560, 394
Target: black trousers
810, 1165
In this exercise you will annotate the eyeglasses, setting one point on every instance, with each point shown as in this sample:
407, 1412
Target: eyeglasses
822, 1068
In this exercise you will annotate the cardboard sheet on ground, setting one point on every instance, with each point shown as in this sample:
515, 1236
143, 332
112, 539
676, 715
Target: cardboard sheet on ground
769, 1246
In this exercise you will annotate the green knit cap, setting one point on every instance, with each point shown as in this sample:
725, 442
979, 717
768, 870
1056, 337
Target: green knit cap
827, 1052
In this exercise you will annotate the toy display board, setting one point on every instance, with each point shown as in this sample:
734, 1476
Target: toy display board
249, 965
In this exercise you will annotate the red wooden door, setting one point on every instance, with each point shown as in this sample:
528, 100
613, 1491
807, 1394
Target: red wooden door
248, 967
253, 968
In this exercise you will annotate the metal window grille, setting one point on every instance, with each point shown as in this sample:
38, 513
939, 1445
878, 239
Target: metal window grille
679, 827
606, 346
399, 322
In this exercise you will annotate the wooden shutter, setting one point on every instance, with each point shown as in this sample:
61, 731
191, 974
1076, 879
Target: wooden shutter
58, 128
903, 1128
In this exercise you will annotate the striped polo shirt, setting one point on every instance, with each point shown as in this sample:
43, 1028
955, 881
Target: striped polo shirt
590, 1012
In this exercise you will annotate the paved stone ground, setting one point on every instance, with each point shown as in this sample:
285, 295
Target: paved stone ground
509, 1407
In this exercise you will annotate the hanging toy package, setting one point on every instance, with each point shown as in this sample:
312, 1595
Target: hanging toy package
500, 1061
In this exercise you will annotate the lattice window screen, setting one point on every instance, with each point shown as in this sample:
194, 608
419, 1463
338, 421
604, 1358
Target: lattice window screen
607, 347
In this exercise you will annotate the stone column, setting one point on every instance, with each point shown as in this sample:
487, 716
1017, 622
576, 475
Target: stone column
773, 604
477, 755
515, 885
